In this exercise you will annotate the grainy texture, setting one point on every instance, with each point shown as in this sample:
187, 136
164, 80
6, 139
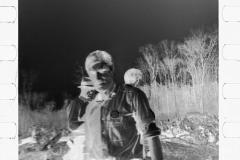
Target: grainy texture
193, 138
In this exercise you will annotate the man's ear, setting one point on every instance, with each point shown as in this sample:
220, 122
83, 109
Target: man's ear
136, 83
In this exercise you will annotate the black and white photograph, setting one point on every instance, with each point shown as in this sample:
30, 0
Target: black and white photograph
118, 80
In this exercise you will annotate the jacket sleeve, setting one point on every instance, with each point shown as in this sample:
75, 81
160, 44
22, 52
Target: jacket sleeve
76, 110
144, 116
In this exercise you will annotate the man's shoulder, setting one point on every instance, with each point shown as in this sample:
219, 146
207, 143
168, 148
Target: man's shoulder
129, 88
77, 100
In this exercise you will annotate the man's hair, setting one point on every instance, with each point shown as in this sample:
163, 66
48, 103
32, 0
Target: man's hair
100, 56
132, 75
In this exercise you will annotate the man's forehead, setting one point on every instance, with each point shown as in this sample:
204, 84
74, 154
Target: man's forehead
87, 87
98, 65
94, 58
93, 62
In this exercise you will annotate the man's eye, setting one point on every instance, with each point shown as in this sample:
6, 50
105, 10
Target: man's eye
104, 70
91, 72
105, 67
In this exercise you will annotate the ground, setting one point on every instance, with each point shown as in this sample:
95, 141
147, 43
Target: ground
193, 138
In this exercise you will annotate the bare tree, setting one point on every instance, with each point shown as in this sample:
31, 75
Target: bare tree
151, 58
78, 74
169, 50
200, 52
143, 66
152, 64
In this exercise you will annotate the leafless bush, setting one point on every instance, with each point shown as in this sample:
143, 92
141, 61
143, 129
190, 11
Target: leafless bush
78, 73
28, 79
170, 68
46, 117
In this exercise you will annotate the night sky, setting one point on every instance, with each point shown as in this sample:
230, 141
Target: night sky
55, 34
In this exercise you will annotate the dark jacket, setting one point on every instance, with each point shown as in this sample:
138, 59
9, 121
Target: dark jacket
76, 110
124, 116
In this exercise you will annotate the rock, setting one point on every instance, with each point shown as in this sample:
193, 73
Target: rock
202, 119
175, 151
179, 132
31, 151
26, 140
40, 155
190, 139
58, 151
178, 151
168, 133
211, 137
204, 127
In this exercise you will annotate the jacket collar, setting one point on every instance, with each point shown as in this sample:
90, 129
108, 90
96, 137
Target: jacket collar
101, 97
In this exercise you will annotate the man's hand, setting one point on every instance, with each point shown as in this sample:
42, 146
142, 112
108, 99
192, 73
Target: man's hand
155, 148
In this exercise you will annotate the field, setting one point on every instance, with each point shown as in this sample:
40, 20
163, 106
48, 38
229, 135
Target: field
171, 103
45, 117
179, 79
186, 132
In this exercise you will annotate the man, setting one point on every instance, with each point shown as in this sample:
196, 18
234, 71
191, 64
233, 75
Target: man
133, 77
76, 111
118, 117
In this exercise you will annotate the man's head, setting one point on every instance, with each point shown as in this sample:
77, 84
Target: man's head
100, 68
133, 76
87, 89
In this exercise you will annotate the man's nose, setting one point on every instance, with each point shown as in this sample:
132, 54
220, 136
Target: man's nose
99, 76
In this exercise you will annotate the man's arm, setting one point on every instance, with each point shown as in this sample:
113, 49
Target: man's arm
145, 121
151, 134
155, 148
76, 109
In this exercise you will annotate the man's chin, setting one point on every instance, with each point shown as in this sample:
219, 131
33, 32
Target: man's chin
101, 88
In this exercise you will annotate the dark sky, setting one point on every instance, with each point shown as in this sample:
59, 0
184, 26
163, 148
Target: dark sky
55, 34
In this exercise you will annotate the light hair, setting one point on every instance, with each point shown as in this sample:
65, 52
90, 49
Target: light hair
101, 56
132, 75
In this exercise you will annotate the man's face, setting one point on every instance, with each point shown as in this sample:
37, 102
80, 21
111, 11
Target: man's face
101, 76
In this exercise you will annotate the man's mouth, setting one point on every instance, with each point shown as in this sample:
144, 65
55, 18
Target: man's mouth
101, 83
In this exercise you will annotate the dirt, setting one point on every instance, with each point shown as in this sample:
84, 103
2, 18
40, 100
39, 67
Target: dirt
171, 150
175, 151
31, 152
193, 138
